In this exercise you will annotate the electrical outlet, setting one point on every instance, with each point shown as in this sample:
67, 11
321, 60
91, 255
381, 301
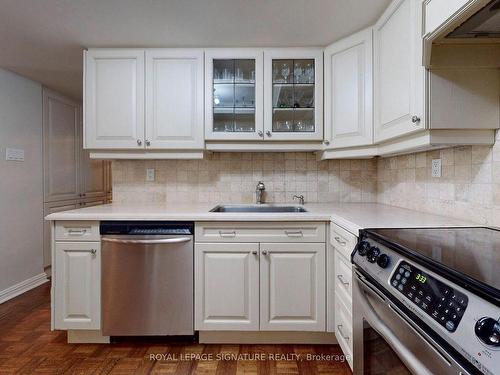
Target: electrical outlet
436, 168
150, 174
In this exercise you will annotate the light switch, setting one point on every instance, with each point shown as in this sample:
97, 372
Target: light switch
436, 168
150, 174
14, 154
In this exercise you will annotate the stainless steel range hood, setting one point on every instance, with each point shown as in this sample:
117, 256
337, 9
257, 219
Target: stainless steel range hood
483, 24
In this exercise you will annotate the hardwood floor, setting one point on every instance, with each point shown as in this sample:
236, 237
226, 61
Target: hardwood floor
27, 346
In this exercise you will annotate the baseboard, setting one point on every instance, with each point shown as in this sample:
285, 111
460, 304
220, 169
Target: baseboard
261, 337
86, 337
22, 287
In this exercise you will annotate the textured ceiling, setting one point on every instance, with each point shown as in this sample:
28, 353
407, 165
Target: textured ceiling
43, 39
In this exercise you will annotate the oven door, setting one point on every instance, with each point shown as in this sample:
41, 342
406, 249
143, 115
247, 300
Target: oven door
386, 341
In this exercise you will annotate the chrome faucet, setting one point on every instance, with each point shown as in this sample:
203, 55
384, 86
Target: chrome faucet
300, 198
259, 192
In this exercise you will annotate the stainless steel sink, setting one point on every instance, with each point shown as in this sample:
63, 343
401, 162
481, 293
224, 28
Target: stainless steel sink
256, 208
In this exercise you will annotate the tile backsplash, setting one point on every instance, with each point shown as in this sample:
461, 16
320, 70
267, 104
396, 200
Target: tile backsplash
469, 186
232, 177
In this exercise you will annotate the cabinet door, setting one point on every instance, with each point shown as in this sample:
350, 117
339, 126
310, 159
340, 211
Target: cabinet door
233, 94
398, 72
292, 287
227, 286
348, 92
293, 94
114, 99
50, 208
174, 99
77, 285
61, 147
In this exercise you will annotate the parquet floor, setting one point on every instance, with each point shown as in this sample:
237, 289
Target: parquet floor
27, 346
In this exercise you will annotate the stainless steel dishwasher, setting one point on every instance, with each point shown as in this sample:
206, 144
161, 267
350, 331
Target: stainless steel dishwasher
147, 278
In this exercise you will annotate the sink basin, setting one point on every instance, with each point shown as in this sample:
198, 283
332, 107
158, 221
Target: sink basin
256, 208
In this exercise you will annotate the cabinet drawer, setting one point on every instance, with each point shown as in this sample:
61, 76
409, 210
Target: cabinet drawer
260, 232
343, 329
342, 240
77, 231
343, 279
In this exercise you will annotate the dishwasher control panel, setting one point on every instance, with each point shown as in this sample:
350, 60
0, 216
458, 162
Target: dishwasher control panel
147, 228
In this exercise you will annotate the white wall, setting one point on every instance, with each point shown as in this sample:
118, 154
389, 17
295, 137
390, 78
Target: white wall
21, 195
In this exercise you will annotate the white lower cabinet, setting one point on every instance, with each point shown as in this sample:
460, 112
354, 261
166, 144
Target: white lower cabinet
292, 287
260, 286
227, 286
77, 285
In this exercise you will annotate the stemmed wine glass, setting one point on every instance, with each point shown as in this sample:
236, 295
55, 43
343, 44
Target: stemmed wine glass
285, 72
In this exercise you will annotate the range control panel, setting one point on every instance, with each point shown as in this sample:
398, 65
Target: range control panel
441, 302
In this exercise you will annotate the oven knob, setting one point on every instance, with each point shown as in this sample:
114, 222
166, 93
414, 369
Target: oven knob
362, 248
372, 254
383, 260
488, 331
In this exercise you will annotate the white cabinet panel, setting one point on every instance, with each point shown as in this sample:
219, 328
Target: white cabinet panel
292, 287
398, 72
227, 286
348, 91
77, 285
61, 147
174, 99
114, 99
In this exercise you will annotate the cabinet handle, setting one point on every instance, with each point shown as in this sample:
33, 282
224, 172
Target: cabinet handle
264, 252
415, 119
339, 328
260, 134
297, 233
268, 133
93, 251
254, 252
326, 142
148, 143
77, 232
339, 240
139, 142
84, 195
341, 278
227, 234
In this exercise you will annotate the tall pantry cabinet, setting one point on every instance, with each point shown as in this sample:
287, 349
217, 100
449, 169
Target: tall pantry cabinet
71, 179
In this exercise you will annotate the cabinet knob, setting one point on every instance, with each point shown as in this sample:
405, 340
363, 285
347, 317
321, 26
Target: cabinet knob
326, 142
415, 119
148, 143
139, 142
254, 252
264, 252
93, 251
268, 133
260, 133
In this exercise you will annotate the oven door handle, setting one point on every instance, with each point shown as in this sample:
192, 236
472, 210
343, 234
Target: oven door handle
407, 356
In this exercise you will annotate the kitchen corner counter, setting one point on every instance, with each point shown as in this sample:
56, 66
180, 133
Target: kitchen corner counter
351, 216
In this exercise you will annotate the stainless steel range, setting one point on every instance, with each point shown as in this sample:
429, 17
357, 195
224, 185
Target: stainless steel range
427, 301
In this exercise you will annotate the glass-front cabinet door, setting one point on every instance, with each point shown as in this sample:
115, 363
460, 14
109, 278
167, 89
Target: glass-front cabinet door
293, 94
234, 94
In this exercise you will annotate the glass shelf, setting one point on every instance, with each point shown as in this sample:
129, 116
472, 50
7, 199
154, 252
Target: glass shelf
234, 95
293, 95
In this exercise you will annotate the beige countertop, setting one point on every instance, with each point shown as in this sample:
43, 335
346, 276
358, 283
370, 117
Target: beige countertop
351, 216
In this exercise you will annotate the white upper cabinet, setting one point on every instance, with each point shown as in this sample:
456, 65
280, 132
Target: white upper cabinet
233, 94
398, 72
114, 99
174, 99
348, 91
293, 94
61, 122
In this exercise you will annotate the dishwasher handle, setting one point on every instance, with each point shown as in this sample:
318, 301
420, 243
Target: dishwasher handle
147, 242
